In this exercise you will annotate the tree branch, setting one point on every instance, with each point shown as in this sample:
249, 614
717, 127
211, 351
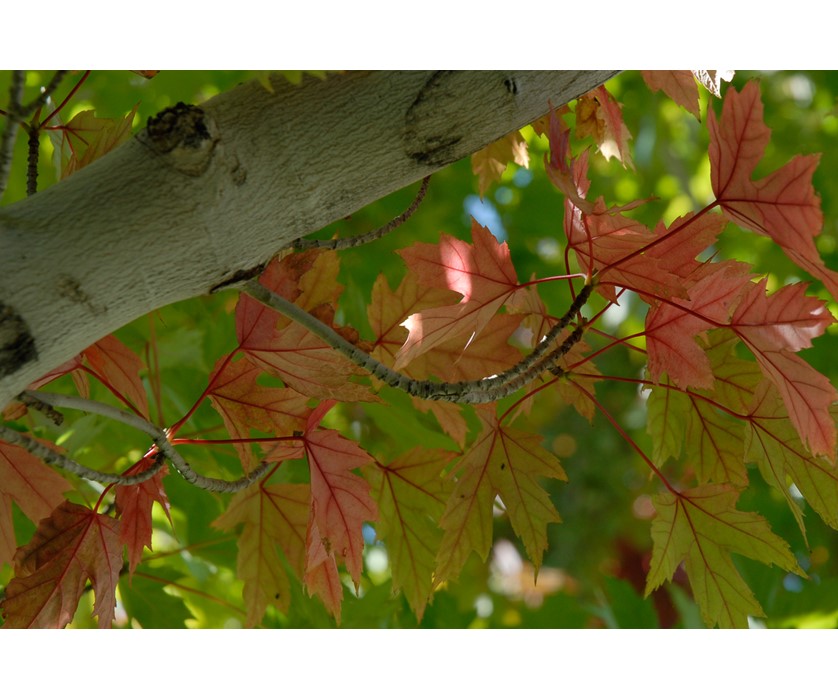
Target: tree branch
50, 456
343, 243
161, 440
7, 145
484, 390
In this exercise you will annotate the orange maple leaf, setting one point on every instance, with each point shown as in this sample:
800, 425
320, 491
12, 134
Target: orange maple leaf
599, 115
287, 350
482, 272
489, 163
72, 546
246, 406
679, 86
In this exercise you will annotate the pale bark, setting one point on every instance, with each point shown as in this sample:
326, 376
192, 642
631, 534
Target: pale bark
209, 192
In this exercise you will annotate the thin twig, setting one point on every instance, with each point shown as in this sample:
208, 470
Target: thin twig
45, 94
50, 456
484, 390
34, 154
7, 145
160, 437
301, 244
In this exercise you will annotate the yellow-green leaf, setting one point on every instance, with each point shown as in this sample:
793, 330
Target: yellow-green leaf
275, 515
503, 462
411, 495
775, 445
702, 528
490, 162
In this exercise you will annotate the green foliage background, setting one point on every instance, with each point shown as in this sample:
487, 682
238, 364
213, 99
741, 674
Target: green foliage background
594, 568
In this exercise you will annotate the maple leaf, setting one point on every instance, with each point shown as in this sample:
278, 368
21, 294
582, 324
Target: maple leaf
72, 546
411, 496
773, 443
87, 137
75, 368
599, 115
321, 576
274, 516
712, 79
340, 499
118, 368
773, 327
481, 272
246, 406
489, 163
623, 251
671, 328
502, 461
33, 486
702, 528
287, 350
134, 506
388, 308
783, 205
679, 86
712, 443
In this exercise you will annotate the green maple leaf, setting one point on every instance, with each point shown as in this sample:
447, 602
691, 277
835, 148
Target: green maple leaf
772, 442
503, 462
411, 496
702, 528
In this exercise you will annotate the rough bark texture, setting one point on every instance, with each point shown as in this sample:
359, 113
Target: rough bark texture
205, 192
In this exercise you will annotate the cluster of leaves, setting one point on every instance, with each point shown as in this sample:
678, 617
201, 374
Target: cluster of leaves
725, 387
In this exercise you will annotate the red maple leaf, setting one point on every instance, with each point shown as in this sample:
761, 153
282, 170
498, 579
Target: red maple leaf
341, 501
783, 205
72, 546
33, 486
134, 506
671, 327
118, 368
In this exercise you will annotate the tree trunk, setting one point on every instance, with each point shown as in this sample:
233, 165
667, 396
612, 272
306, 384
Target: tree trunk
204, 192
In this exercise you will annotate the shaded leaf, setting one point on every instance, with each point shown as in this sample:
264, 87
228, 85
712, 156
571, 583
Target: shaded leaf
506, 462
773, 443
72, 546
489, 163
118, 368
